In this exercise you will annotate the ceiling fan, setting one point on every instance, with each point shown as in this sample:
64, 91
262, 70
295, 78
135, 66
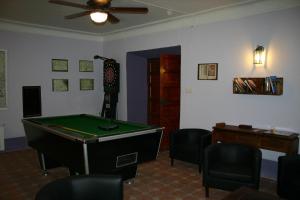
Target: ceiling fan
100, 10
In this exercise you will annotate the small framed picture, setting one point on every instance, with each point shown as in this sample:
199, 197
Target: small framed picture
59, 65
86, 66
60, 85
208, 71
86, 84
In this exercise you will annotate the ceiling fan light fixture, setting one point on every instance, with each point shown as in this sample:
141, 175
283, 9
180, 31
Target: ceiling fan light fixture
98, 17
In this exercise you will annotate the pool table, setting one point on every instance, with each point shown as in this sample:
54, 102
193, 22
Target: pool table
88, 144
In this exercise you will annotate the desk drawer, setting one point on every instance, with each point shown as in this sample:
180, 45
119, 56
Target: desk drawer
224, 137
274, 144
248, 139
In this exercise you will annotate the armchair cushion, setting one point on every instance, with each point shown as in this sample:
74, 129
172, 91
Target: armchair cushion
231, 171
230, 166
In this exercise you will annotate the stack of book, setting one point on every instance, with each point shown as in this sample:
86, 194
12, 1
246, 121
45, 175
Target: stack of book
270, 83
244, 85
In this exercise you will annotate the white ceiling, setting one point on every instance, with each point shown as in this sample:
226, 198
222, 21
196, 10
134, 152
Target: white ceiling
40, 13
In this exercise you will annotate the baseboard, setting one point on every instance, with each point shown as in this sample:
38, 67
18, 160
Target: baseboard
269, 169
13, 144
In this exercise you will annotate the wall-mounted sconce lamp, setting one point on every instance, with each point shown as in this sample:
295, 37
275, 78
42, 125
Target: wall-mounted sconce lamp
259, 56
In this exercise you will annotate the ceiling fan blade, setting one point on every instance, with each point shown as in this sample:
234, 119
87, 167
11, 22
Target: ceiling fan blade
84, 13
112, 19
66, 3
132, 10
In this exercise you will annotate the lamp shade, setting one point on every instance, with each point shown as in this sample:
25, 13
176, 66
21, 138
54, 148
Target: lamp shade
259, 56
98, 17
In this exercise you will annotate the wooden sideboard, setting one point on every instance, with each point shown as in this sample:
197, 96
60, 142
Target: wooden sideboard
286, 142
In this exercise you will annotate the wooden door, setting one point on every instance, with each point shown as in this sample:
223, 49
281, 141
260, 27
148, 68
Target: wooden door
153, 91
164, 94
169, 96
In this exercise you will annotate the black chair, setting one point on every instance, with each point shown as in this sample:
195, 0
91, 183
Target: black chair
230, 166
288, 177
83, 187
188, 145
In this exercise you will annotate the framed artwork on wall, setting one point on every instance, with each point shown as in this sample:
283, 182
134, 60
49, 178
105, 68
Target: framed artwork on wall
59, 65
3, 82
60, 85
86, 66
208, 71
86, 84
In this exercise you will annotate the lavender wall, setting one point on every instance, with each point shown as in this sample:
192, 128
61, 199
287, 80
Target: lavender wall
137, 96
29, 63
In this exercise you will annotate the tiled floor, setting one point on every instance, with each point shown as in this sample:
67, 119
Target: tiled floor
21, 178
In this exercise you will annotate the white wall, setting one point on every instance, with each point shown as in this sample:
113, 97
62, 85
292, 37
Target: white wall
229, 43
29, 63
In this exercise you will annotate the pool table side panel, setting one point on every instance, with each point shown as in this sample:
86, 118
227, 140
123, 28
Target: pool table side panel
104, 154
62, 150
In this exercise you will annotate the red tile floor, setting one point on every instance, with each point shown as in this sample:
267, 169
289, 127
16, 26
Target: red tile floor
21, 178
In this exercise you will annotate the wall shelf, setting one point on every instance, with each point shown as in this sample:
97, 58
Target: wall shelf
271, 85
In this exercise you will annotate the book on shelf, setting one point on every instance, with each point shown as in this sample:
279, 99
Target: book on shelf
251, 83
241, 82
273, 84
238, 86
267, 85
248, 85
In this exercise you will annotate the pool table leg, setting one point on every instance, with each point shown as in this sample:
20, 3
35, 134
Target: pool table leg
45, 172
86, 159
130, 181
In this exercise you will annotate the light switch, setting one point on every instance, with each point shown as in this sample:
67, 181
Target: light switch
188, 90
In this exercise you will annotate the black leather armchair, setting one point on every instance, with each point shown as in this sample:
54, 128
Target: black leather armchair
288, 177
188, 145
230, 166
83, 187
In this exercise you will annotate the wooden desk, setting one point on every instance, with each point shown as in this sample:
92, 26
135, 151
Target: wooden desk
286, 142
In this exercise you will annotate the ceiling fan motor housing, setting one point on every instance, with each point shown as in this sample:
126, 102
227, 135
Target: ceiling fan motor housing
100, 4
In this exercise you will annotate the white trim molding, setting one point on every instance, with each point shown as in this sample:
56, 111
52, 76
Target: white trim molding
16, 26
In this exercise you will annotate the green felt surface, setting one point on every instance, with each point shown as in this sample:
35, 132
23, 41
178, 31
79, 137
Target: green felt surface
88, 126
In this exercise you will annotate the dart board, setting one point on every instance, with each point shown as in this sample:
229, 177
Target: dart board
111, 73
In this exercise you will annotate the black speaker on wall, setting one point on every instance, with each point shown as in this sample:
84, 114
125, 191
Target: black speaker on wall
32, 105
